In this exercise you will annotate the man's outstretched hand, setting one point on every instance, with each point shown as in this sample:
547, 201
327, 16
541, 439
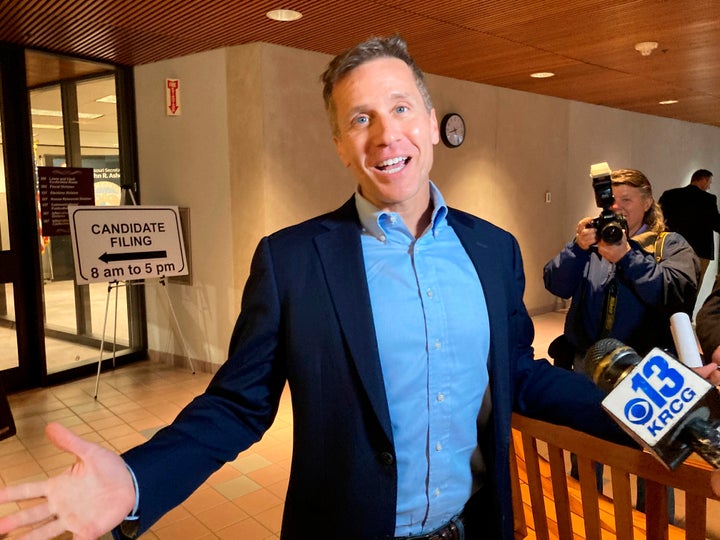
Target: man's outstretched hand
89, 499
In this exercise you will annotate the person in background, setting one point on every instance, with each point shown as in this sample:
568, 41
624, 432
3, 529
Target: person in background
626, 290
692, 211
399, 326
707, 325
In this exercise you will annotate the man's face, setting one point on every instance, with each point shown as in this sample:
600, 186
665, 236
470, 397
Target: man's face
631, 203
704, 183
385, 134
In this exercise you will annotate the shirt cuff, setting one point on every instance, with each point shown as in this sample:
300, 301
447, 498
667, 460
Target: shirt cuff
130, 526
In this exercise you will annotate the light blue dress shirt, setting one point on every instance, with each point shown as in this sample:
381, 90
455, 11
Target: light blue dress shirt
432, 329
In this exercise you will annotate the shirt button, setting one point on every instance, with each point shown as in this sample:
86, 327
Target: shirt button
441, 397
438, 446
437, 492
382, 238
393, 219
437, 344
429, 293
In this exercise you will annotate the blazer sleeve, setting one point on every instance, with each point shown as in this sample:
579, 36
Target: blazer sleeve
707, 322
714, 214
547, 392
238, 406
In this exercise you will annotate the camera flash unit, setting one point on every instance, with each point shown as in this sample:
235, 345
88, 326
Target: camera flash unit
598, 170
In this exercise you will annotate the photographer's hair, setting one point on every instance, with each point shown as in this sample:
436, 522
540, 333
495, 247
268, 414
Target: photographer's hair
374, 48
653, 217
700, 174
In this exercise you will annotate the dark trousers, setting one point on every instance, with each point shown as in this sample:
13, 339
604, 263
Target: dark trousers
482, 516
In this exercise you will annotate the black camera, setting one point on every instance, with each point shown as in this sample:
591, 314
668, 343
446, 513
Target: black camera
609, 225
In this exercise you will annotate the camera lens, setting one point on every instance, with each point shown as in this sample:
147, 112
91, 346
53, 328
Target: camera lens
612, 233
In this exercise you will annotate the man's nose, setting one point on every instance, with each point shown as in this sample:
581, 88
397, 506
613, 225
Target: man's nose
386, 130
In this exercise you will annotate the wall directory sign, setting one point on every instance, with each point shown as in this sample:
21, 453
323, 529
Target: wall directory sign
59, 187
123, 243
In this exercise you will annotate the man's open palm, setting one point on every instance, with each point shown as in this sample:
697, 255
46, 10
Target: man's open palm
89, 499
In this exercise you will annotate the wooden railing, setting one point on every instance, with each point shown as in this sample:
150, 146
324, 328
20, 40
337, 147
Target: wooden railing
549, 504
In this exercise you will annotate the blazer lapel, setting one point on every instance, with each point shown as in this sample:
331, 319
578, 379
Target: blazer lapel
478, 242
340, 253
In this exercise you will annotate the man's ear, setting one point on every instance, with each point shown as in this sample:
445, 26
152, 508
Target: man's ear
434, 127
340, 152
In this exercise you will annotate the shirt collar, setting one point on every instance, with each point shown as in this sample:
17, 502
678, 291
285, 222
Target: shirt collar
370, 215
644, 227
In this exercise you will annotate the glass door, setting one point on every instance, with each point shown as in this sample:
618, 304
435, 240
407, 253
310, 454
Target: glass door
75, 125
68, 114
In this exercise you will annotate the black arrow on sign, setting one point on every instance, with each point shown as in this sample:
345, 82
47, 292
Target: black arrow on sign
132, 256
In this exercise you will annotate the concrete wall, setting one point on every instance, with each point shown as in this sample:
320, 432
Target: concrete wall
252, 152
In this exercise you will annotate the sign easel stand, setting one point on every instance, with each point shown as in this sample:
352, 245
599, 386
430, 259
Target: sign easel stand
117, 284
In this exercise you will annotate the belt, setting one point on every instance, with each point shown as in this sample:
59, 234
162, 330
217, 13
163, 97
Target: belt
452, 530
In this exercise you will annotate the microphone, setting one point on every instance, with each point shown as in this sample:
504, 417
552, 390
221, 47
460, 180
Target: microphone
662, 404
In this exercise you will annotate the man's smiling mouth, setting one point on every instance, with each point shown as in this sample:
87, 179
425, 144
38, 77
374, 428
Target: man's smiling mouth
393, 165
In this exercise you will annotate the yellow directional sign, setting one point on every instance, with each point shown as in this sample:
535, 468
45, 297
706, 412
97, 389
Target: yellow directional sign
123, 243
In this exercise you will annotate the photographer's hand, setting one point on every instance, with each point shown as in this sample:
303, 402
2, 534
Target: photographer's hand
585, 237
613, 252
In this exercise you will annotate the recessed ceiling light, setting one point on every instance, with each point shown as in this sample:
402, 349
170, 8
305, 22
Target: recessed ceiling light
284, 15
668, 102
58, 114
107, 99
542, 75
646, 48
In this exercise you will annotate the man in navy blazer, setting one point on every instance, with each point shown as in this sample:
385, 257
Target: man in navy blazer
692, 211
323, 311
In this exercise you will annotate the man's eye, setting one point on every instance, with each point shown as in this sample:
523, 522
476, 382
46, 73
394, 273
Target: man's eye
361, 120
401, 108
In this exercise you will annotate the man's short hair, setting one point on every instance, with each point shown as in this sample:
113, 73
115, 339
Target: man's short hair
699, 175
371, 49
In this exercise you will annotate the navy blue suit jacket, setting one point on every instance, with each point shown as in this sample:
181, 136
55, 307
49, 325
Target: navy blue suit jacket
306, 320
693, 213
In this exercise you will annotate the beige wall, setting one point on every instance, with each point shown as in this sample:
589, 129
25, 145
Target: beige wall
185, 161
252, 153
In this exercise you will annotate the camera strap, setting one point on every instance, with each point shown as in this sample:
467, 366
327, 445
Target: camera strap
610, 307
659, 243
612, 288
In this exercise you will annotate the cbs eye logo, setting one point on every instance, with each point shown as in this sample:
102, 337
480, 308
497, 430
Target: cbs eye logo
638, 411
661, 386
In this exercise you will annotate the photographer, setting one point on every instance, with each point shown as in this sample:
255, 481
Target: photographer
629, 289
626, 289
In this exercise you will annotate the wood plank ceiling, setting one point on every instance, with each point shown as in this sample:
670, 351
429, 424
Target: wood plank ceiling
588, 44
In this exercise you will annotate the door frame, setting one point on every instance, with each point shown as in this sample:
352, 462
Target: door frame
16, 265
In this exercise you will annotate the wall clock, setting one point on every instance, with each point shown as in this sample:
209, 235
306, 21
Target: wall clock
452, 130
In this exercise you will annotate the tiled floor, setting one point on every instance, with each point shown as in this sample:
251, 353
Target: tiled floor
243, 500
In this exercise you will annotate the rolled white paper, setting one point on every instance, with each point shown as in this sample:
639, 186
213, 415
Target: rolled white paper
684, 338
